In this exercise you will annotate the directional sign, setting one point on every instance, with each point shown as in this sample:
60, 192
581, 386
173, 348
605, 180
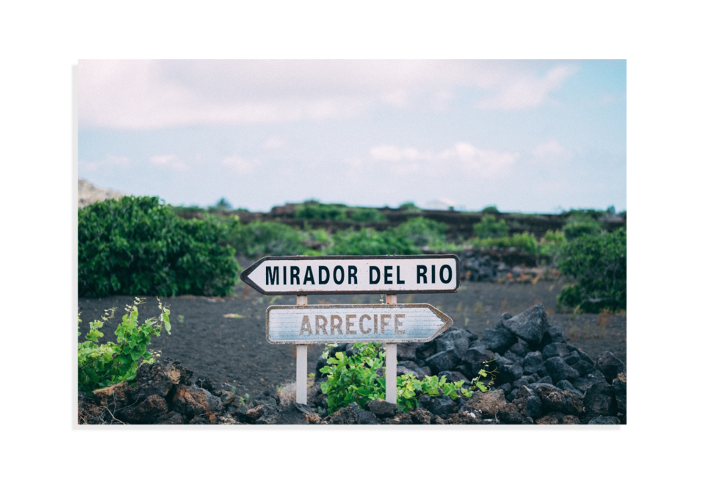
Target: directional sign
299, 275
355, 323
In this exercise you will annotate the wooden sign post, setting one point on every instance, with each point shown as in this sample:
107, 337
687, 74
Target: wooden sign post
389, 323
391, 362
301, 363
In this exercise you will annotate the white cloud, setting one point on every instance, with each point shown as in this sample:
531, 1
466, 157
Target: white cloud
462, 157
483, 162
552, 151
239, 164
527, 90
168, 161
109, 160
145, 94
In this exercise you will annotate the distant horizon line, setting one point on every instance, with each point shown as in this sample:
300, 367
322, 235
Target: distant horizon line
457, 208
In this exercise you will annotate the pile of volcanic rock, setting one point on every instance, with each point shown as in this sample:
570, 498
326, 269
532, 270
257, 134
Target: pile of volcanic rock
538, 379
165, 392
479, 267
482, 268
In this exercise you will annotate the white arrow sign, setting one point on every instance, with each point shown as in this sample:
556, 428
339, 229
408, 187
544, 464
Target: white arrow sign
354, 274
355, 323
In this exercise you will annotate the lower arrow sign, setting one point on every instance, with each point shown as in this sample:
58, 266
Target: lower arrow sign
413, 322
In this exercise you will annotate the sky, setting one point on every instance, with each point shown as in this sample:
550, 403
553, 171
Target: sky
532, 136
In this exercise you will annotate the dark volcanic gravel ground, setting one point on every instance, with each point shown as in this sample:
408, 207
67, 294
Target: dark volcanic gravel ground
234, 350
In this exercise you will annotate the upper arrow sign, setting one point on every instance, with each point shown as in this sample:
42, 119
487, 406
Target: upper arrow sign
299, 275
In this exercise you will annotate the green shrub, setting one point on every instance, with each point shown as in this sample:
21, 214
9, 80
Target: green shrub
192, 210
365, 215
551, 243
423, 232
223, 205
103, 365
139, 246
409, 207
524, 241
368, 241
260, 238
598, 263
581, 224
357, 378
313, 210
316, 240
489, 227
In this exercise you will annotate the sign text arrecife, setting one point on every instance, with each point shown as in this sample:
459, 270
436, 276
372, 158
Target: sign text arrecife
355, 323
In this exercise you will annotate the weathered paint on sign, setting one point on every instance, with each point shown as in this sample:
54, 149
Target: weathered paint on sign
356, 274
355, 323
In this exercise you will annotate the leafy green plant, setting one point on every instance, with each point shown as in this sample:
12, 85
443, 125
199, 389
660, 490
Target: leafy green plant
354, 378
581, 224
481, 382
316, 240
598, 263
189, 211
313, 210
409, 207
260, 238
423, 232
551, 243
358, 378
139, 246
112, 362
368, 241
489, 228
523, 241
365, 215
410, 388
221, 205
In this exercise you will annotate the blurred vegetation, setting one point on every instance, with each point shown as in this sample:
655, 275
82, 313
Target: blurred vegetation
140, 246
489, 227
260, 238
367, 241
409, 207
581, 224
423, 233
418, 234
314, 210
